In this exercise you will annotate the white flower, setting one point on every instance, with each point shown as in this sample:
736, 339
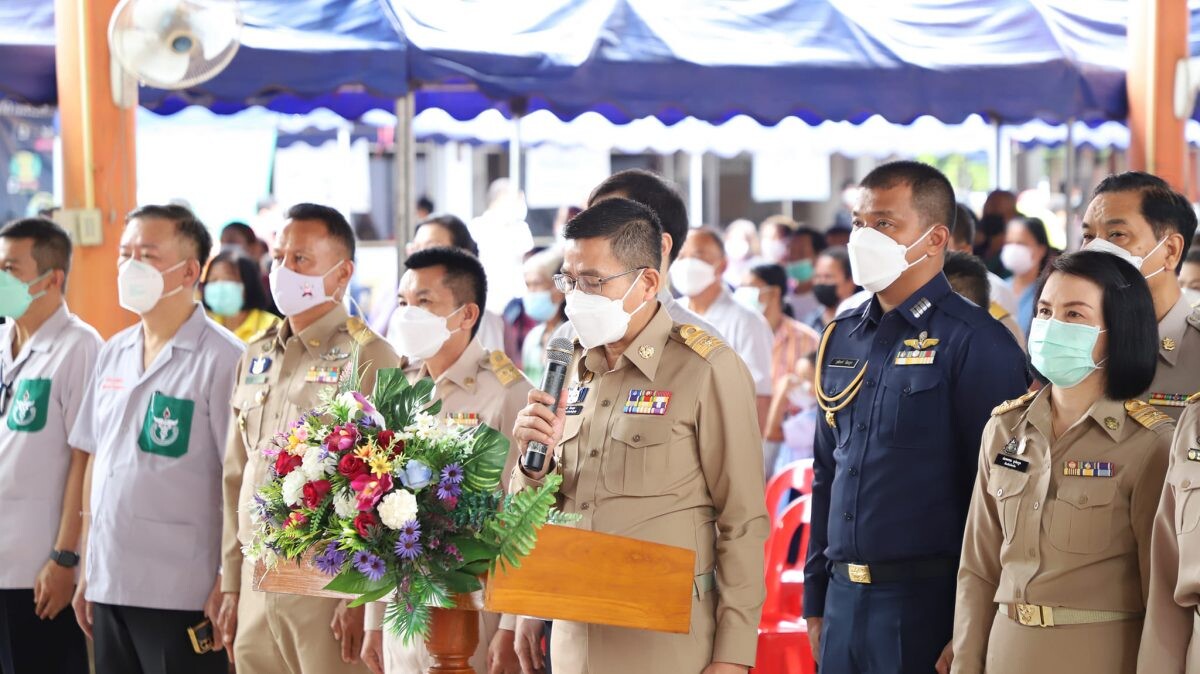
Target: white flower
345, 505
293, 487
398, 508
316, 468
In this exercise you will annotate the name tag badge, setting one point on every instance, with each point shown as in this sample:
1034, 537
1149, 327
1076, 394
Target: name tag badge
574, 410
255, 379
847, 363
1012, 463
1088, 468
112, 384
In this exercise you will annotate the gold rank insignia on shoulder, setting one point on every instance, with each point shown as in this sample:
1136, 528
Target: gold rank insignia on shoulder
1145, 414
1016, 403
1088, 468
698, 340
359, 331
504, 369
1168, 399
1194, 399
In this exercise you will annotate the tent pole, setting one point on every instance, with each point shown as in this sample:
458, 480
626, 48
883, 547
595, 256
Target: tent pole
406, 160
1070, 169
696, 188
514, 153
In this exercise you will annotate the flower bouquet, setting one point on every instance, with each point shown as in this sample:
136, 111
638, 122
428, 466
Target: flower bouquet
386, 497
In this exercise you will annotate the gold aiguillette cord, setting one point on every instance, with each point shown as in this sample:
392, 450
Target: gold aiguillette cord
831, 404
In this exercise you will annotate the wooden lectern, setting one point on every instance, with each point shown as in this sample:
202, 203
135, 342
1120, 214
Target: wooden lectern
571, 574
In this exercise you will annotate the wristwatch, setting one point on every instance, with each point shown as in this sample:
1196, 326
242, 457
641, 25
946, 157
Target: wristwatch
64, 558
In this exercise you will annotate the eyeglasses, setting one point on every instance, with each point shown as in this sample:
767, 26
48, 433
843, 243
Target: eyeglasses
592, 285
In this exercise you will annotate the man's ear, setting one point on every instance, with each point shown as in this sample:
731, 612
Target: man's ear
471, 314
653, 280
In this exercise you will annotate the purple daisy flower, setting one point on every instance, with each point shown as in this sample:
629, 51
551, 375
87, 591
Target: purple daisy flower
411, 529
371, 566
408, 548
448, 490
452, 473
329, 562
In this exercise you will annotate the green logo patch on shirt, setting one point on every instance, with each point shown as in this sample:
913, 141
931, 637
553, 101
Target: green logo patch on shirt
29, 406
167, 426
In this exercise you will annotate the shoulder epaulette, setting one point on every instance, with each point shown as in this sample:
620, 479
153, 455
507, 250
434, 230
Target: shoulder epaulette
1015, 403
1194, 399
998, 311
268, 333
504, 369
698, 340
359, 331
1145, 414
1193, 318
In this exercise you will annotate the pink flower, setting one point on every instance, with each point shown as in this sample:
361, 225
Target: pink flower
296, 519
370, 489
341, 438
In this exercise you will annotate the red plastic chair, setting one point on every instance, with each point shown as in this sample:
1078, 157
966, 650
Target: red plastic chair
796, 475
782, 634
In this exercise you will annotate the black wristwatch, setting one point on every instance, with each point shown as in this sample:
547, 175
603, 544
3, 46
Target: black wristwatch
64, 558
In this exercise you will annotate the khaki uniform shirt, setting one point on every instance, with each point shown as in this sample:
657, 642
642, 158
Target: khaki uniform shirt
1036, 535
1171, 618
1178, 375
282, 376
666, 448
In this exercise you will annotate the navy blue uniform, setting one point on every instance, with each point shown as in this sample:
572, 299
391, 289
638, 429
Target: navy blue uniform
893, 477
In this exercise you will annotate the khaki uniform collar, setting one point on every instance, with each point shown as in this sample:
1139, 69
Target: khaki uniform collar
644, 351
465, 371
1171, 330
316, 337
1108, 414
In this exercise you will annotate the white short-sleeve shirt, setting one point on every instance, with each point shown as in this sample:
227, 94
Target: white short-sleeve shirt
747, 332
42, 391
158, 437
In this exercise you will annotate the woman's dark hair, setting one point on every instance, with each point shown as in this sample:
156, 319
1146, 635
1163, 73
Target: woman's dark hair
252, 285
776, 277
1037, 229
1128, 317
460, 236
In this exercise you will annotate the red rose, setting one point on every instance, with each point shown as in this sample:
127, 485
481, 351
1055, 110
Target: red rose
384, 439
365, 521
352, 466
286, 463
296, 519
314, 493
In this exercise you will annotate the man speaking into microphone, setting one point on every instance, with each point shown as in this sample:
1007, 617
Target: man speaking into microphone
655, 438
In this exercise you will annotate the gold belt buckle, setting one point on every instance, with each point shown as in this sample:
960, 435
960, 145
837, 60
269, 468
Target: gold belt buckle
1032, 615
859, 573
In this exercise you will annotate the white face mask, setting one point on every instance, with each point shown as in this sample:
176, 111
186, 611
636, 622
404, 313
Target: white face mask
801, 396
1104, 246
140, 285
737, 249
692, 276
418, 333
597, 319
1017, 258
876, 260
775, 250
295, 293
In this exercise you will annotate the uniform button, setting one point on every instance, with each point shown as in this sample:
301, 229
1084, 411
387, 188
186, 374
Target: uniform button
1032, 552
1000, 492
585, 506
861, 427
1036, 505
907, 389
1083, 499
605, 403
1185, 484
637, 438
594, 452
848, 517
869, 382
853, 472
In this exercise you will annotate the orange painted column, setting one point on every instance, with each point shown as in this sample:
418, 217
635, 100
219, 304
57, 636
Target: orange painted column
99, 169
1158, 38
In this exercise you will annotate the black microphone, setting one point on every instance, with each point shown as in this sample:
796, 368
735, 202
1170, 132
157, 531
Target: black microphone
558, 359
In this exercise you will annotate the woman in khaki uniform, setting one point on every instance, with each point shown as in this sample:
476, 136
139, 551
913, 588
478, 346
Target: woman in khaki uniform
1171, 640
1056, 558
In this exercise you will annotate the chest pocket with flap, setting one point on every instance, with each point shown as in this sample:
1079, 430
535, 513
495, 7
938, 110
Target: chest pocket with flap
1187, 500
638, 462
1006, 487
1082, 520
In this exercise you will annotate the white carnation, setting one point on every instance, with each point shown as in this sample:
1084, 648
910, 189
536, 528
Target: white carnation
398, 508
345, 505
293, 487
316, 468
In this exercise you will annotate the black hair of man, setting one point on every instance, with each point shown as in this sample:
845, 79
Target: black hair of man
1129, 317
932, 194
335, 223
657, 194
460, 236
1166, 210
816, 238
464, 276
425, 204
774, 276
963, 231
253, 292
840, 255
1193, 256
713, 235
51, 243
187, 226
243, 230
632, 230
969, 277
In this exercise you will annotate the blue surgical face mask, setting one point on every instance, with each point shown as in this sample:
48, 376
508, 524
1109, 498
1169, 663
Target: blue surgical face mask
225, 298
540, 305
1062, 352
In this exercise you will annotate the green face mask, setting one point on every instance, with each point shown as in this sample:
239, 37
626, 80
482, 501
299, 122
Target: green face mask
14, 294
801, 271
1062, 352
225, 298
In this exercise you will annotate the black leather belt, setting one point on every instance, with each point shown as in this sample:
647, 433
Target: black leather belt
895, 572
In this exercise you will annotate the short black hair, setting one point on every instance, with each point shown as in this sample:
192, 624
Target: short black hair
969, 277
464, 275
840, 255
632, 229
932, 194
243, 230
186, 224
425, 204
335, 223
1037, 229
51, 243
774, 276
255, 293
1128, 316
1165, 209
817, 238
657, 194
460, 236
963, 231
993, 225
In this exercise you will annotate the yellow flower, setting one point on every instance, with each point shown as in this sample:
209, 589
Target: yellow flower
380, 466
364, 452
